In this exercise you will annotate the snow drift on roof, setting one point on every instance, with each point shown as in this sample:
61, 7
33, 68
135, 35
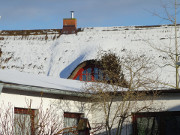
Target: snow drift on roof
16, 77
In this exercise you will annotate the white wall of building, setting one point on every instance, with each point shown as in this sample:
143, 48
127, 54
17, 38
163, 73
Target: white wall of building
56, 107
167, 102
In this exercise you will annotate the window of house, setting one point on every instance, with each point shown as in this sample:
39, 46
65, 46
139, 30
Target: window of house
89, 73
156, 123
70, 123
24, 121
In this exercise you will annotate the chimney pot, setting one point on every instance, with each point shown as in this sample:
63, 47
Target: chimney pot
72, 14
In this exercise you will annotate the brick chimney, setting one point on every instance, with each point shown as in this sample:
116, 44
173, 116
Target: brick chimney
69, 25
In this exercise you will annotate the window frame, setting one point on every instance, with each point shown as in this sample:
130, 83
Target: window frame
72, 115
30, 112
161, 115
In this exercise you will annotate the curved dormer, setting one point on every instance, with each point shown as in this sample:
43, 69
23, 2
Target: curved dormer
88, 71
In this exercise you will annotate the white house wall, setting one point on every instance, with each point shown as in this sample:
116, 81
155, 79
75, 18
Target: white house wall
59, 106
166, 102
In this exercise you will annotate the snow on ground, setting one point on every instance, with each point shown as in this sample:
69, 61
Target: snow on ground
59, 57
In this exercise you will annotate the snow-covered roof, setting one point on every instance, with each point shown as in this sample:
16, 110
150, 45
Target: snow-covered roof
41, 81
58, 55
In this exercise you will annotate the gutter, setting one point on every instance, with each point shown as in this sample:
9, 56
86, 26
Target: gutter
43, 90
27, 88
1, 87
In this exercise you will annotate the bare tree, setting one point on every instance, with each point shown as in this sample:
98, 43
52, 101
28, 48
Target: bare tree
126, 86
172, 52
28, 122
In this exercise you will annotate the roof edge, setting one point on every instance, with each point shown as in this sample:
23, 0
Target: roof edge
43, 90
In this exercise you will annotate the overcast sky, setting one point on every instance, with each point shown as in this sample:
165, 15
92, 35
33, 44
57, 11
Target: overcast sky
49, 14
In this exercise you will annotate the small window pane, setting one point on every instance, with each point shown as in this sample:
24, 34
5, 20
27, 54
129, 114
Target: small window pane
101, 76
24, 121
84, 72
70, 124
96, 77
89, 77
84, 78
96, 70
147, 126
89, 70
22, 124
78, 78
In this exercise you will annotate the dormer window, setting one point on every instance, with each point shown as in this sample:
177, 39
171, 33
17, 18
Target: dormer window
89, 73
106, 70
